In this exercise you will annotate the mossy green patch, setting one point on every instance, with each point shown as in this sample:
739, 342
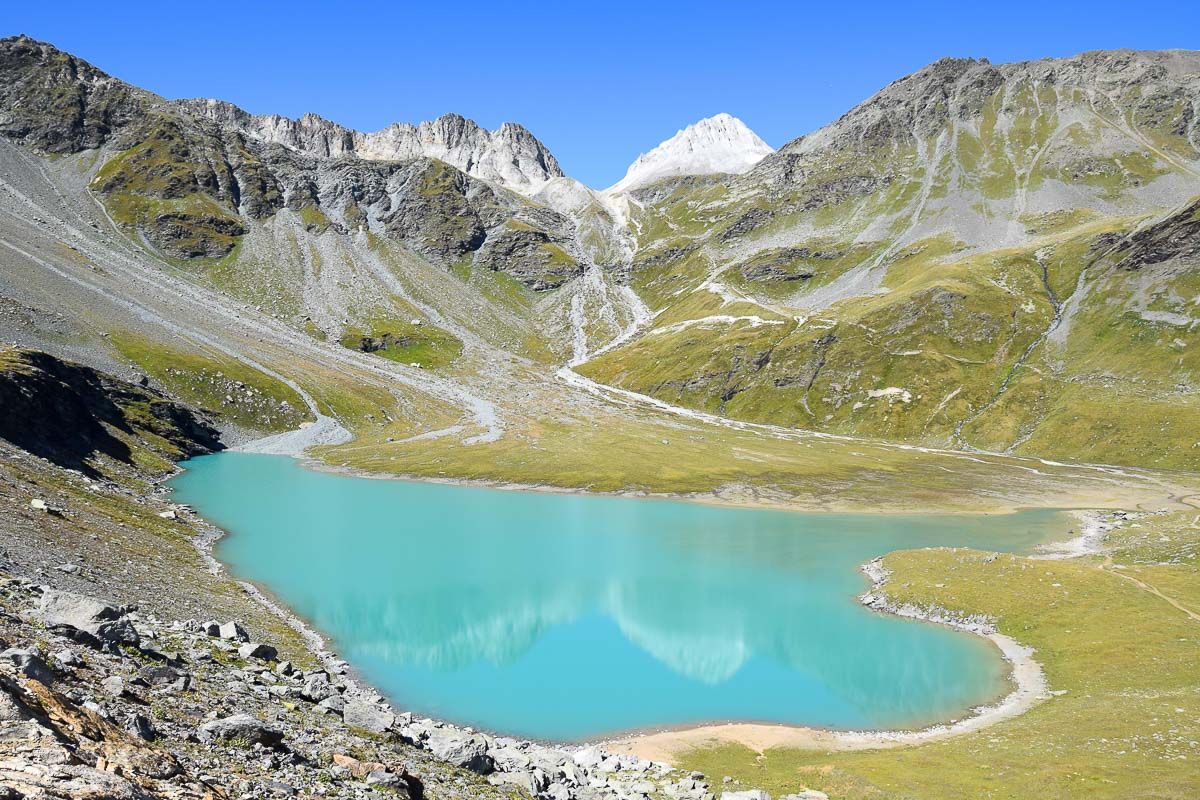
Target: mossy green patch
404, 341
216, 383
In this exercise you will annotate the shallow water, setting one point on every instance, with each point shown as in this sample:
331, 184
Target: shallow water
566, 616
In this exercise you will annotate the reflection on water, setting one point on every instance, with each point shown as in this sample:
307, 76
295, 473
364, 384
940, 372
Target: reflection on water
567, 616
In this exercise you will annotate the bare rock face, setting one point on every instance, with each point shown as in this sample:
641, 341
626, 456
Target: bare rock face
1176, 237
510, 155
192, 177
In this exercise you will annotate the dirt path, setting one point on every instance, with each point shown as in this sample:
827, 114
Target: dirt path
1109, 567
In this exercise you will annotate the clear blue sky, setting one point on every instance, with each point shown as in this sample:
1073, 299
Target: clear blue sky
597, 82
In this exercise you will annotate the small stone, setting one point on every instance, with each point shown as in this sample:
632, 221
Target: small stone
113, 686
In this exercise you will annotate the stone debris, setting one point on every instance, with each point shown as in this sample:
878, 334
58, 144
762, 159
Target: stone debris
190, 709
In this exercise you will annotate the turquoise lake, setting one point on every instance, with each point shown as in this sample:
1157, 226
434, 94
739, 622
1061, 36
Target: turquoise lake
567, 617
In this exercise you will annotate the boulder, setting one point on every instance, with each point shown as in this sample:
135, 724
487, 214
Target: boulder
263, 652
106, 622
141, 727
160, 675
387, 780
590, 756
68, 658
233, 632
357, 769
241, 728
749, 794
510, 759
29, 664
317, 687
333, 704
520, 780
461, 750
368, 716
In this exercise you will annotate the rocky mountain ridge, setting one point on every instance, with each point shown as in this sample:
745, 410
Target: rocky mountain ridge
510, 155
933, 267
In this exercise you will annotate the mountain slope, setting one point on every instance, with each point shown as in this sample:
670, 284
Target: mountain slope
938, 266
900, 271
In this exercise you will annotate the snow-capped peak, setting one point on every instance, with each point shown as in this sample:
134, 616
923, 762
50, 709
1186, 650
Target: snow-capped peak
717, 144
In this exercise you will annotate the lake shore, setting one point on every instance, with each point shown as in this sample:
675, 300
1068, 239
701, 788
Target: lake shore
742, 496
1026, 677
1028, 680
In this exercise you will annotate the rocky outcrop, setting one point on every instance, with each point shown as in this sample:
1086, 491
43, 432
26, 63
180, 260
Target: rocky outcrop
1176, 237
74, 415
534, 256
57, 103
786, 264
510, 155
